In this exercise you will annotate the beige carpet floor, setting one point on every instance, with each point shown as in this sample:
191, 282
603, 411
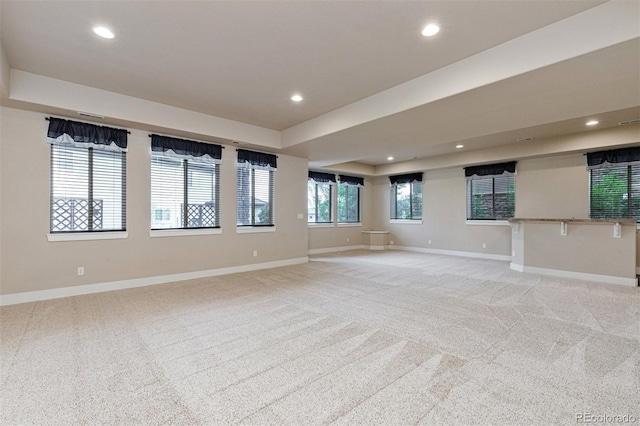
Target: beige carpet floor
388, 338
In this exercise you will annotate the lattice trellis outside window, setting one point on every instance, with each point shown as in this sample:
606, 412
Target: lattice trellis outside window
201, 215
72, 214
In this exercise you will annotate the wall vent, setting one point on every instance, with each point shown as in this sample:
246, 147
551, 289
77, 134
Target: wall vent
88, 114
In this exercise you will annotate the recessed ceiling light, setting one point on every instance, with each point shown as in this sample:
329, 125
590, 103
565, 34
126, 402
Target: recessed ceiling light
459, 146
296, 98
390, 158
592, 122
430, 30
103, 32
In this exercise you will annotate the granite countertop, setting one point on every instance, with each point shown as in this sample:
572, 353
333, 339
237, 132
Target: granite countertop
573, 219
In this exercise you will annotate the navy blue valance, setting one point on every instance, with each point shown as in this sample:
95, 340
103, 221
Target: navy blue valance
86, 135
352, 180
183, 148
621, 157
490, 170
408, 178
257, 159
319, 177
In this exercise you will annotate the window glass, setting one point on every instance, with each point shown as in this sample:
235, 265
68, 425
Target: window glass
319, 204
491, 198
255, 197
87, 189
615, 192
406, 201
348, 203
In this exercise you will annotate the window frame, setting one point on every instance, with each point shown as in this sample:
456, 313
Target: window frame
316, 186
632, 170
271, 183
72, 234
471, 218
188, 184
394, 203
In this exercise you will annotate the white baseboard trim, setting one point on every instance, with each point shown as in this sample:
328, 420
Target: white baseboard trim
374, 247
609, 279
56, 293
516, 267
336, 249
452, 252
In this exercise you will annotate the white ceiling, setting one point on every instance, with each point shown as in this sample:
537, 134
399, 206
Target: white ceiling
242, 60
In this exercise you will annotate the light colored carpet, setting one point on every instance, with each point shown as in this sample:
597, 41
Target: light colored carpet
350, 338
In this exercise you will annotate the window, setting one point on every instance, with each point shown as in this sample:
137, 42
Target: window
406, 196
255, 188
161, 214
185, 183
349, 199
491, 191
614, 184
88, 177
491, 198
319, 197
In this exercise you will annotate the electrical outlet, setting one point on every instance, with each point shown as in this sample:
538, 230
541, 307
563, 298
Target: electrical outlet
429, 242
300, 216
484, 245
255, 253
391, 243
563, 229
513, 253
348, 239
617, 230
80, 270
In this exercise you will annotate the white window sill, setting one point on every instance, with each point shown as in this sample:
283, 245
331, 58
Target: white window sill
488, 222
346, 225
406, 221
156, 233
254, 229
87, 236
320, 225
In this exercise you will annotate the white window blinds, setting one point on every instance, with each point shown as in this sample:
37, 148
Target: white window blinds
255, 190
185, 184
614, 184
